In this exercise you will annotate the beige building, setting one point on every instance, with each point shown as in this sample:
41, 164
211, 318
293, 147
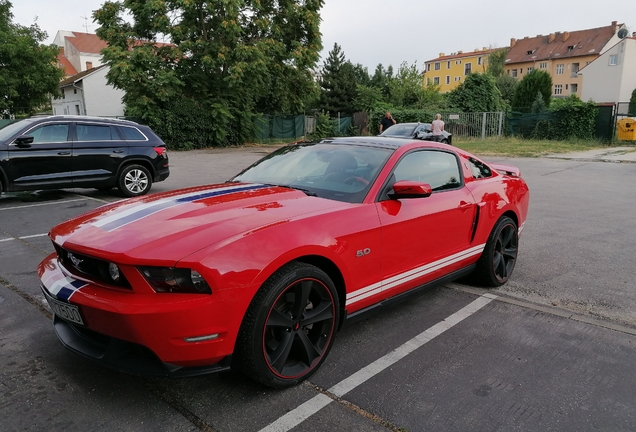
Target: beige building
561, 54
449, 71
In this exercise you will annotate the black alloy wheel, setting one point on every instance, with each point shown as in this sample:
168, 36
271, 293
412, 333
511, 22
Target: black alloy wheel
289, 327
499, 257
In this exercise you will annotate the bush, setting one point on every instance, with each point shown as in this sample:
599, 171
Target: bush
574, 118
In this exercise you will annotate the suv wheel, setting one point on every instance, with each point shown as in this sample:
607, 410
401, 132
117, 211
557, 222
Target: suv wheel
134, 180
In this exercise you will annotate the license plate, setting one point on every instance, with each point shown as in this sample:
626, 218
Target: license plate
65, 311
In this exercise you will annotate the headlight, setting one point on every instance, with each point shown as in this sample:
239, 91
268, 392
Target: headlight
175, 280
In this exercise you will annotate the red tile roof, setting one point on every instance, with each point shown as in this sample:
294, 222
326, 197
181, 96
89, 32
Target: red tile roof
64, 64
87, 42
560, 45
464, 54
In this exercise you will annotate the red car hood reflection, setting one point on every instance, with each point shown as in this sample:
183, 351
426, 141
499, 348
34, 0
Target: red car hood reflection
169, 226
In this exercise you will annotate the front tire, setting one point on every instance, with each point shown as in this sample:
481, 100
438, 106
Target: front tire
134, 180
289, 326
498, 259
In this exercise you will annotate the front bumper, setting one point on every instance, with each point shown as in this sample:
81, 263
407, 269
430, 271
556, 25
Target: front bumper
140, 332
122, 355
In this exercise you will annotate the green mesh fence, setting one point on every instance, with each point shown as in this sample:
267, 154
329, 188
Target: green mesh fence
269, 127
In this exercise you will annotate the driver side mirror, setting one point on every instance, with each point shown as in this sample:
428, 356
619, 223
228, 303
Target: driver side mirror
24, 141
410, 189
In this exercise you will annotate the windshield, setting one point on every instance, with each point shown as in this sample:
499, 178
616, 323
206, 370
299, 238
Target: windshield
399, 130
11, 129
338, 172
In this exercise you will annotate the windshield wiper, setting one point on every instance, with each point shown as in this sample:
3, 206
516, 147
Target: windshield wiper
306, 191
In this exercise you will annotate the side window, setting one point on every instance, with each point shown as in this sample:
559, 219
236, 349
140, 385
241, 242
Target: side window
479, 169
438, 169
131, 134
93, 132
51, 133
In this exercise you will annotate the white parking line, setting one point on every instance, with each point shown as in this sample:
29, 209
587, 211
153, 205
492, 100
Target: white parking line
41, 204
318, 402
23, 237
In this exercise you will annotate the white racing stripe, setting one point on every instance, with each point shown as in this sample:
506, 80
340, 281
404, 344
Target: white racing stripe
408, 276
318, 402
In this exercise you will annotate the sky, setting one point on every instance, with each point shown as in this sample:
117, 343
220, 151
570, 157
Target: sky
395, 31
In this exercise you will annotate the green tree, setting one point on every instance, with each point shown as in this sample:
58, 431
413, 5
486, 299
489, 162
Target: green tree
381, 79
337, 83
526, 91
225, 61
632, 103
406, 88
507, 86
497, 62
538, 106
478, 93
28, 74
362, 75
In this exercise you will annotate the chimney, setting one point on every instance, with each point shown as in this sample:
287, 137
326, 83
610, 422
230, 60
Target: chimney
513, 42
460, 52
551, 38
442, 54
615, 26
566, 36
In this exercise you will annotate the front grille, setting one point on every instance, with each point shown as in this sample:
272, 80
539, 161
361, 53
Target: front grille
88, 267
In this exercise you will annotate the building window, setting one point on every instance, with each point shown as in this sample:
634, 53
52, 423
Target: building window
436, 80
468, 68
89, 65
543, 65
520, 71
560, 68
575, 70
447, 79
74, 91
558, 89
457, 62
513, 73
574, 88
530, 69
437, 66
77, 110
428, 67
479, 61
448, 64
613, 60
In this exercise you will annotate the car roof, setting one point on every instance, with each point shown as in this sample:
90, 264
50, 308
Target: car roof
81, 117
382, 142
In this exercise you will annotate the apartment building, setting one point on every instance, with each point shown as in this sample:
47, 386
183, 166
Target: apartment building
449, 71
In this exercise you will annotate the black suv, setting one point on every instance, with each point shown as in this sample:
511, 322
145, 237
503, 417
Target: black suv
55, 152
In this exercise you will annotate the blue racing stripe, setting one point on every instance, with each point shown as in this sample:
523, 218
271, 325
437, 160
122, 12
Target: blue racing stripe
151, 209
64, 294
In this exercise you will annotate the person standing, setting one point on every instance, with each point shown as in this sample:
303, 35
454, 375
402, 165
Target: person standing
387, 122
437, 127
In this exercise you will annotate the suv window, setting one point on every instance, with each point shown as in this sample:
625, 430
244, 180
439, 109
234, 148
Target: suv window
132, 134
438, 169
93, 133
51, 133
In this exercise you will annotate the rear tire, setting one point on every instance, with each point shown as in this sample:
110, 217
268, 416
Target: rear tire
289, 326
134, 180
498, 259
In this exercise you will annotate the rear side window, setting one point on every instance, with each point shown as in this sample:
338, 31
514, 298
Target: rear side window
131, 134
478, 169
52, 133
93, 133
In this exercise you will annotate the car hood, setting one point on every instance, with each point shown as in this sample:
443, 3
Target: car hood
169, 226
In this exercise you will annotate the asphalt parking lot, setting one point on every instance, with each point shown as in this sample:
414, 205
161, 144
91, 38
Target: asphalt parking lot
551, 350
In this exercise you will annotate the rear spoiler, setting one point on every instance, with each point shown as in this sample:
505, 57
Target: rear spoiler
507, 170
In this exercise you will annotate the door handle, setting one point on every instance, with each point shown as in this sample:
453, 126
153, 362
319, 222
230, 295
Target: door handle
118, 151
463, 206
64, 153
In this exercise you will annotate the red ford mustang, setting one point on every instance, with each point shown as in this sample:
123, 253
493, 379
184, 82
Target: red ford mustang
258, 273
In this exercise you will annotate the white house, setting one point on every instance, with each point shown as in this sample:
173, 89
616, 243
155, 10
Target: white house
611, 77
88, 93
82, 50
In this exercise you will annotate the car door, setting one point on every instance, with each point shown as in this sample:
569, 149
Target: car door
44, 163
97, 153
425, 238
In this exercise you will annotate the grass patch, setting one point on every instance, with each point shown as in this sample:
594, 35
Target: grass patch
515, 147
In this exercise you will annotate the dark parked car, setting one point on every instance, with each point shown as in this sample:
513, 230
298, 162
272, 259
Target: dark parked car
416, 130
55, 152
